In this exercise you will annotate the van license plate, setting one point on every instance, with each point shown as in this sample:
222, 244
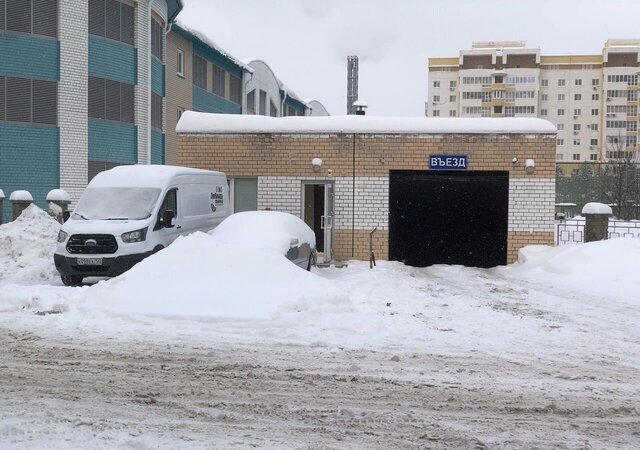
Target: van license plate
89, 261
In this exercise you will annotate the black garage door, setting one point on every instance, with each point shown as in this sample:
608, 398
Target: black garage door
448, 217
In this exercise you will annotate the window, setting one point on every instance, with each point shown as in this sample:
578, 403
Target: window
576, 127
595, 96
219, 80
453, 83
559, 156
235, 89
170, 203
497, 109
111, 100
112, 20
576, 142
578, 82
560, 127
561, 112
452, 113
543, 112
593, 156
544, 97
436, 84
594, 142
577, 96
576, 156
559, 141
436, 99
156, 111
28, 101
262, 106
561, 97
452, 98
251, 102
436, 113
157, 34
273, 111
545, 82
245, 194
179, 112
199, 72
594, 112
180, 63
577, 112
595, 82
561, 82
30, 16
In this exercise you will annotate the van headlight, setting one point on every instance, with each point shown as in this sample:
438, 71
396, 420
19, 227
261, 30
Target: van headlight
62, 236
135, 236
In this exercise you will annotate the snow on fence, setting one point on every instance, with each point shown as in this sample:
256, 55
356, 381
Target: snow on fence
572, 230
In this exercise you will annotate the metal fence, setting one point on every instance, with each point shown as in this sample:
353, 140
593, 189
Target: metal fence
573, 230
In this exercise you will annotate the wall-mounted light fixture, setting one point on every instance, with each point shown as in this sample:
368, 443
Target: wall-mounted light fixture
530, 166
316, 163
515, 161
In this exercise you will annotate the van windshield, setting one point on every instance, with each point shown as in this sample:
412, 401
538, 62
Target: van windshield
116, 203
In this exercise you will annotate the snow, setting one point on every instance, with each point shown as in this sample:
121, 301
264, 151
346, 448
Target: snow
142, 175
271, 230
1, 194
596, 208
58, 195
360, 103
21, 196
542, 353
202, 123
26, 248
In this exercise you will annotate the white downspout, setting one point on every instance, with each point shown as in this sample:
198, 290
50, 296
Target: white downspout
149, 82
286, 94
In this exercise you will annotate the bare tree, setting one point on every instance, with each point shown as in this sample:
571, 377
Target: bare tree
619, 178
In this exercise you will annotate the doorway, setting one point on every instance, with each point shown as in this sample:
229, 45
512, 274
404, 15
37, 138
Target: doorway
317, 213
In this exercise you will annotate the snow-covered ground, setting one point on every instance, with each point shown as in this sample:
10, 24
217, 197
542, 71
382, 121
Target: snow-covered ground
204, 346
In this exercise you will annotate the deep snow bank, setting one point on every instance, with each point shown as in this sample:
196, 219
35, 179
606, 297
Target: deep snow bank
605, 267
26, 248
199, 276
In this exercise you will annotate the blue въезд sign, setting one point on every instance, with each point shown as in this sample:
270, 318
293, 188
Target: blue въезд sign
448, 162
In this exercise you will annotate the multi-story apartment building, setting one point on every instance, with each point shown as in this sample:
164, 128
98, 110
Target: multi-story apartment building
592, 99
89, 85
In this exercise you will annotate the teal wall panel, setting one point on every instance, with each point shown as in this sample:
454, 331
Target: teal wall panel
205, 101
295, 104
112, 60
115, 142
29, 57
157, 147
157, 77
30, 160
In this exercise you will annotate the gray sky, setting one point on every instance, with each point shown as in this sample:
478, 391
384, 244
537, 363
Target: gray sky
306, 42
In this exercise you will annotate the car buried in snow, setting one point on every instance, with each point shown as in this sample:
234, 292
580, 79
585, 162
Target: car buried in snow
275, 231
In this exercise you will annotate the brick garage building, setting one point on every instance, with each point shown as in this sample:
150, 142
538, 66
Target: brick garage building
375, 173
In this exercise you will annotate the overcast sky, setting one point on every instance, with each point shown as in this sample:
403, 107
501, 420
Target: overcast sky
306, 42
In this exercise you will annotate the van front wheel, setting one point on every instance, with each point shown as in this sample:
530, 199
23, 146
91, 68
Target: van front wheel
71, 280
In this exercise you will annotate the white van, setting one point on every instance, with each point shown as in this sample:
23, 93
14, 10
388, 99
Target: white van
130, 212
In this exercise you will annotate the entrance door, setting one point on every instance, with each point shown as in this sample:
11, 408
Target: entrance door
318, 212
448, 217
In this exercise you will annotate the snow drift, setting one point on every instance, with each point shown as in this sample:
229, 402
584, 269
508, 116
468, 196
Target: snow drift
26, 248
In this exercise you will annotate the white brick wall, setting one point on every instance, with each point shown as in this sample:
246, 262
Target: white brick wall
371, 199
531, 204
142, 32
72, 96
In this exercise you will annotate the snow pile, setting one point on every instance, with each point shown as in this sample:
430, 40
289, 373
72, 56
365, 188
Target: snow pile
271, 230
201, 277
26, 248
605, 267
596, 208
21, 196
58, 195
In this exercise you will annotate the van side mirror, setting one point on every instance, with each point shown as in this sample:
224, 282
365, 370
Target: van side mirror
168, 218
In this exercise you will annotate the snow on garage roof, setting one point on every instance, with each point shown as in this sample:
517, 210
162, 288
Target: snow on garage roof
206, 123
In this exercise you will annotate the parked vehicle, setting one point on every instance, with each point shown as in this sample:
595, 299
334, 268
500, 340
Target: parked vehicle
272, 231
130, 212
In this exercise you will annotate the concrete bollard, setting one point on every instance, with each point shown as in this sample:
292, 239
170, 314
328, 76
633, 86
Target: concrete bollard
20, 200
1, 206
59, 201
596, 227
